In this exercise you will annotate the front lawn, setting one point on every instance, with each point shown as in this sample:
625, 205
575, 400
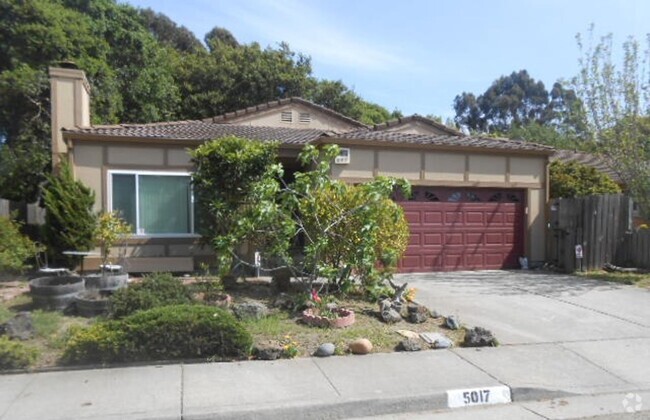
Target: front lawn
281, 327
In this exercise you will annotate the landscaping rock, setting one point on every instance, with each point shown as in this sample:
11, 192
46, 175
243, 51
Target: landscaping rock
479, 337
20, 327
452, 322
442, 342
417, 314
268, 352
360, 346
283, 301
410, 344
250, 310
325, 350
388, 312
408, 333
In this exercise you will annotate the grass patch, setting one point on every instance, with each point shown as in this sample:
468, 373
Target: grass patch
640, 280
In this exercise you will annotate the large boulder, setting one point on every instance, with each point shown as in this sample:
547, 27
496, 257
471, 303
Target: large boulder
479, 337
417, 314
360, 346
250, 310
410, 344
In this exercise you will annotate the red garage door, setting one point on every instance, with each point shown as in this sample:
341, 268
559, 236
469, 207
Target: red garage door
463, 229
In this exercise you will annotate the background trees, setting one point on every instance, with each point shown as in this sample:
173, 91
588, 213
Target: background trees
142, 67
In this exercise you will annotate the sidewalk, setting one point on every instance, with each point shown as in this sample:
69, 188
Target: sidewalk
336, 387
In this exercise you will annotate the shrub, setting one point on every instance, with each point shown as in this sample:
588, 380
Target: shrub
102, 342
573, 179
69, 218
16, 355
165, 333
159, 289
15, 248
187, 331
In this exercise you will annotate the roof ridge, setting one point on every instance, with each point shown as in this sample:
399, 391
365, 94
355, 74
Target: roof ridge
418, 117
278, 102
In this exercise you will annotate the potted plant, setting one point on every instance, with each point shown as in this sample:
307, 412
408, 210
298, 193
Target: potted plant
324, 313
109, 231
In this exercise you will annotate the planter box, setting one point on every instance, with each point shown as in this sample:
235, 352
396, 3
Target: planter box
345, 318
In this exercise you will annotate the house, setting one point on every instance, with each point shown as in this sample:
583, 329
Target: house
478, 203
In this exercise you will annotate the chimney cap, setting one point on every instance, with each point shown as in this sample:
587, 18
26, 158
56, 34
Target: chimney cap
68, 64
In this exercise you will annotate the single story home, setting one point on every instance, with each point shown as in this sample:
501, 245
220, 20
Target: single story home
478, 203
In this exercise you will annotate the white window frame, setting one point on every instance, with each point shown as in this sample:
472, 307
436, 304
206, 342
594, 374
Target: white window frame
137, 173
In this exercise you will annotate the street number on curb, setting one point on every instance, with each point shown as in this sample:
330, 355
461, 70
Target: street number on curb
478, 396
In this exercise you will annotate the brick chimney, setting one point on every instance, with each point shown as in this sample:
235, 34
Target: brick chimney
70, 100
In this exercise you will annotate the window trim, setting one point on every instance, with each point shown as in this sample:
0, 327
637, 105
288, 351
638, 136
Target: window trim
137, 172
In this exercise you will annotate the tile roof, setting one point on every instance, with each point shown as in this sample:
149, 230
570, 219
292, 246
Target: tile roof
223, 118
446, 140
419, 118
202, 131
600, 163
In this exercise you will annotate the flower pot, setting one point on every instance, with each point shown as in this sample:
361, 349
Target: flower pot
55, 292
345, 318
106, 282
91, 303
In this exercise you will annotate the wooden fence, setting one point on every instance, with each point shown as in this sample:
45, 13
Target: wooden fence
4, 207
598, 225
635, 251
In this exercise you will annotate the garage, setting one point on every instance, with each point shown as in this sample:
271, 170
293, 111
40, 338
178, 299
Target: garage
463, 229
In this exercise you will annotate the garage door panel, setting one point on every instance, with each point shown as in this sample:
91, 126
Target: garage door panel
433, 217
464, 235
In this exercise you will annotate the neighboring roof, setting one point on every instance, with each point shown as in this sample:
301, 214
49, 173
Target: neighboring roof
417, 118
442, 140
597, 162
201, 131
224, 118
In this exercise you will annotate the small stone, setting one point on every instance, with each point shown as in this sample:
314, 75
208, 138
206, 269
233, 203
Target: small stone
417, 314
391, 316
250, 310
268, 352
410, 344
408, 333
452, 322
360, 346
442, 343
435, 314
20, 327
325, 350
479, 337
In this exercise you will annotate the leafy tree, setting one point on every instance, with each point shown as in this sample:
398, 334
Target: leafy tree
169, 33
573, 179
220, 35
617, 103
519, 100
69, 220
346, 230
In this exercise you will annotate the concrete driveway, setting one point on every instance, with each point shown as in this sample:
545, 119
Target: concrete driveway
527, 307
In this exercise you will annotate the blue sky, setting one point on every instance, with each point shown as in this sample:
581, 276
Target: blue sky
417, 55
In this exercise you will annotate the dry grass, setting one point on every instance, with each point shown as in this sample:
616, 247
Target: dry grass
640, 280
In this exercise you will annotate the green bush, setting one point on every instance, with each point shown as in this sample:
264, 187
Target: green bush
102, 342
573, 179
160, 289
186, 331
15, 248
165, 333
16, 355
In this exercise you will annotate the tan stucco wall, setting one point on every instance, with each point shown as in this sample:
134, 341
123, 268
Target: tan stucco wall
271, 118
88, 161
362, 163
524, 169
177, 157
403, 164
444, 166
487, 168
129, 155
536, 224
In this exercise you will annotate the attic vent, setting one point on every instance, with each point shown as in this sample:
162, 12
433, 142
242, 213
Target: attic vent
344, 157
286, 116
305, 117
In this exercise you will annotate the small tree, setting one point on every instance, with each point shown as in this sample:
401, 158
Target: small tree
573, 179
69, 219
110, 229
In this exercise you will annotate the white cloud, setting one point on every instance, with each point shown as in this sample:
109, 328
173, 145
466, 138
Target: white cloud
312, 32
